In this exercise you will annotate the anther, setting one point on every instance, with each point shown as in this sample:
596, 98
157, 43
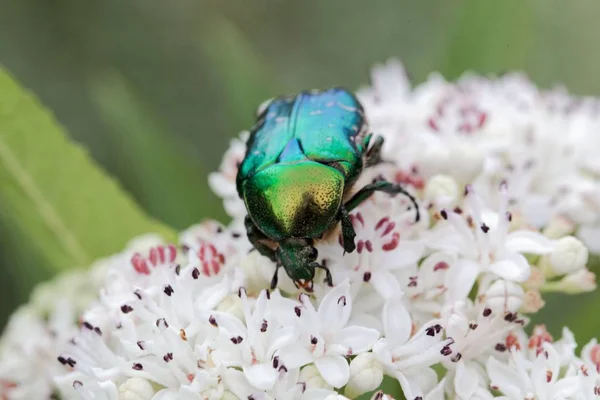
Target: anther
168, 290
446, 351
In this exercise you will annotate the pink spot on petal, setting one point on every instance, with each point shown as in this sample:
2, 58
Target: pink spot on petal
359, 246
391, 245
172, 252
161, 254
389, 228
433, 124
139, 264
442, 265
360, 219
381, 222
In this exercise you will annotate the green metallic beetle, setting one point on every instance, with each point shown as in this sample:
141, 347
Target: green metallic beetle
303, 155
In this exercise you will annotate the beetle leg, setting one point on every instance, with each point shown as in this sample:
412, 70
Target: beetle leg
328, 277
255, 236
348, 233
373, 156
274, 279
380, 186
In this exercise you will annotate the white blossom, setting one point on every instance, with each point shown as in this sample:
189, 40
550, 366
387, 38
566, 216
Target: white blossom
323, 337
504, 176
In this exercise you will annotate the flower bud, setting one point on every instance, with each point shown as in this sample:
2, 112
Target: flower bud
464, 161
366, 374
232, 305
312, 378
503, 296
536, 278
577, 282
258, 272
336, 397
532, 301
558, 227
442, 190
381, 396
569, 256
255, 279
136, 389
144, 242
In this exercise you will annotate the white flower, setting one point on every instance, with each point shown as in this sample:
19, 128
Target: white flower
381, 249
223, 182
482, 240
136, 389
570, 255
323, 337
366, 374
580, 281
251, 344
28, 351
442, 191
476, 331
407, 356
196, 321
540, 379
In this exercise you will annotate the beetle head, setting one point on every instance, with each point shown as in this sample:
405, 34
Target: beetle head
298, 258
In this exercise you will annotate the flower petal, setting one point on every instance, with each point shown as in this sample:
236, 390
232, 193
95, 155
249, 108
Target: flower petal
567, 387
460, 279
237, 384
397, 323
334, 370
385, 283
334, 310
295, 355
528, 242
261, 376
466, 381
505, 378
316, 394
410, 385
358, 339
437, 393
407, 252
514, 267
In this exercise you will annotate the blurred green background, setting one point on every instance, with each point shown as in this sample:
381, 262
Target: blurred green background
156, 89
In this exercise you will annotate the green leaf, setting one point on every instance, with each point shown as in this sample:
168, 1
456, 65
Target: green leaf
54, 199
167, 182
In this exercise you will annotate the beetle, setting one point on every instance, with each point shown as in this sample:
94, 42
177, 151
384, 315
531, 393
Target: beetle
302, 158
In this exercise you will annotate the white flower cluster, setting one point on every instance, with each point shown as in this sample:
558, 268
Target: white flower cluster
506, 182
